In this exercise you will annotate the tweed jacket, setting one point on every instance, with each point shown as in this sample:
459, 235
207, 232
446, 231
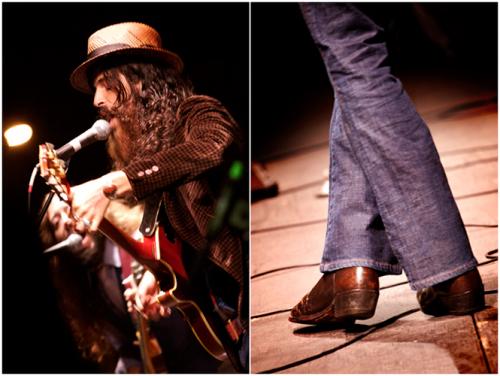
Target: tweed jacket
186, 173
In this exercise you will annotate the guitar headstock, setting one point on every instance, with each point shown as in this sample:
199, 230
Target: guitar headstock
53, 170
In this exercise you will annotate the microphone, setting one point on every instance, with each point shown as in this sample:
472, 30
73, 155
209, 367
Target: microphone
99, 131
73, 243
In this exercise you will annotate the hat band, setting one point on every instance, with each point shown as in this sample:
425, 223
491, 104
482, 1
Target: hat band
106, 49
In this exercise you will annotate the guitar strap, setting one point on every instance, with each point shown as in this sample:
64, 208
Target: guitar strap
152, 206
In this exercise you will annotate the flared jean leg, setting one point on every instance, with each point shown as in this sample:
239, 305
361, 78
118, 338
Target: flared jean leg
393, 148
355, 233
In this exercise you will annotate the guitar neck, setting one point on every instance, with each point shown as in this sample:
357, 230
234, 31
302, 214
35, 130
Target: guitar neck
120, 238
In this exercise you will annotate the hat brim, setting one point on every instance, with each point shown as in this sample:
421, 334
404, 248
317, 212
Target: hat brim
80, 77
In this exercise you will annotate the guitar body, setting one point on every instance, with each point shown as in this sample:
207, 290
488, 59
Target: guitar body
164, 259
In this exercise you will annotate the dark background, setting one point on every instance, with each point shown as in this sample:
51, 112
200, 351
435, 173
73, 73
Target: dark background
42, 44
289, 80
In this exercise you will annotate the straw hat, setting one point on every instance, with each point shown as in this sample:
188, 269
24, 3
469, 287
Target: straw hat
127, 39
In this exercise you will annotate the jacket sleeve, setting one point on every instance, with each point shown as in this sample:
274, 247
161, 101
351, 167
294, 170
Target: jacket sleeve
207, 130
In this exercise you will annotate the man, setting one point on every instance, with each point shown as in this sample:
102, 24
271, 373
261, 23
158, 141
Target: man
170, 146
390, 206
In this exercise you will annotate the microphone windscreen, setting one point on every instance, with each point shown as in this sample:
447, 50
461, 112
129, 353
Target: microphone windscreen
73, 243
102, 129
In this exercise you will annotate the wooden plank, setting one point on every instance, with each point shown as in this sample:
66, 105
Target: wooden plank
482, 209
292, 246
482, 241
273, 342
439, 345
470, 174
299, 169
382, 358
289, 209
487, 326
454, 334
487, 320
457, 133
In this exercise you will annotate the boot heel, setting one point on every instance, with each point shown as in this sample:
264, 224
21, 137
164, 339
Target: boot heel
355, 304
465, 303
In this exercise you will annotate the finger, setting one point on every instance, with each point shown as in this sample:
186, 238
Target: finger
141, 312
165, 311
146, 302
87, 242
154, 312
80, 227
94, 224
129, 282
129, 294
138, 303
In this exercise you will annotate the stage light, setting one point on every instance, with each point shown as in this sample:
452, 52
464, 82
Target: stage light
18, 134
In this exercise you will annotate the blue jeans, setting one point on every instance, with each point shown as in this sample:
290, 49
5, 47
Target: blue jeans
390, 206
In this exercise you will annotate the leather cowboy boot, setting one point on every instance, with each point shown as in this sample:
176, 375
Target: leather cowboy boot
458, 296
341, 296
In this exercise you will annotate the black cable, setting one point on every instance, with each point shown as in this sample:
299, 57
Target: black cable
492, 255
477, 194
44, 208
30, 185
283, 268
272, 313
345, 344
482, 226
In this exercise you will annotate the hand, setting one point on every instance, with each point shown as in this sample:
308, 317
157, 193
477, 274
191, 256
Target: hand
90, 200
143, 298
89, 205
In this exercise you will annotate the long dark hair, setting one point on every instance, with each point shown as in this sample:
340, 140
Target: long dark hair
150, 120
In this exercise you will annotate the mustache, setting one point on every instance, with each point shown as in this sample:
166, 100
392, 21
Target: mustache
106, 114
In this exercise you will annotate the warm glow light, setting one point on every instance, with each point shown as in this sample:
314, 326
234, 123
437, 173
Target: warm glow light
18, 134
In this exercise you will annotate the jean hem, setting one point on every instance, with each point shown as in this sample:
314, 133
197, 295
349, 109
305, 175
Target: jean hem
443, 276
380, 266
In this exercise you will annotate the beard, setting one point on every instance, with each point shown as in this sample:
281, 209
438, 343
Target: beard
118, 149
121, 144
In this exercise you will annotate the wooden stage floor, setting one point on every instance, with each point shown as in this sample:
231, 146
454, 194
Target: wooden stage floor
287, 239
